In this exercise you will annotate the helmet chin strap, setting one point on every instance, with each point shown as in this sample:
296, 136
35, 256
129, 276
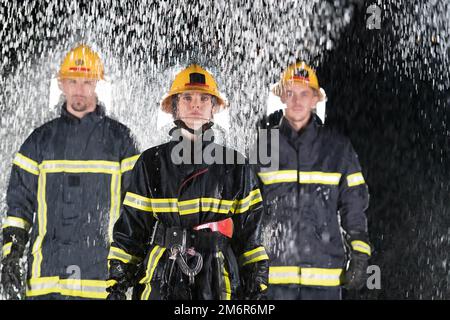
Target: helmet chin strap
181, 124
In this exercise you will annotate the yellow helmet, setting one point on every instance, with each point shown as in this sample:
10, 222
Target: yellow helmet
298, 72
193, 78
81, 62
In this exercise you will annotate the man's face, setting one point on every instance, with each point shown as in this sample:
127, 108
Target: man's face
300, 101
195, 108
79, 93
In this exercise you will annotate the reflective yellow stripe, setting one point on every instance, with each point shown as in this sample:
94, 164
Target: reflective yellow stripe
153, 260
6, 249
263, 287
76, 166
305, 276
114, 210
128, 163
17, 222
318, 177
119, 254
355, 179
253, 198
280, 176
361, 246
204, 205
26, 164
94, 289
253, 256
42, 226
226, 289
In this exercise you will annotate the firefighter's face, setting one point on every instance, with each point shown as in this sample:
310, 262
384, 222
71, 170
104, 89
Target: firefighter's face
79, 93
195, 108
300, 101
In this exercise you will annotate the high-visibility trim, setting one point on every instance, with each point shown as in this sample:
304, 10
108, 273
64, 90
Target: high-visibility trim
149, 204
76, 166
263, 286
317, 177
271, 177
127, 164
253, 256
355, 179
6, 250
119, 254
114, 211
305, 276
361, 246
253, 198
36, 250
204, 205
226, 284
16, 222
94, 289
153, 260
26, 164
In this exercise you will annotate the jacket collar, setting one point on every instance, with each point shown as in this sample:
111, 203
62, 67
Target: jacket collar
305, 135
95, 116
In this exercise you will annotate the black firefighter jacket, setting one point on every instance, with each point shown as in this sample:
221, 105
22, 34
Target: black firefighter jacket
187, 195
316, 190
65, 186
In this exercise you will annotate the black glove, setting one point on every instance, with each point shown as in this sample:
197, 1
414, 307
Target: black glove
356, 275
255, 280
11, 277
123, 273
271, 120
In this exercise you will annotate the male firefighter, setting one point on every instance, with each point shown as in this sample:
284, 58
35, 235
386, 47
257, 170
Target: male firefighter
193, 225
65, 187
316, 190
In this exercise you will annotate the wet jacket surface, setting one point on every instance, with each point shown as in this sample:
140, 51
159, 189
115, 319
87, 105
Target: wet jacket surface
317, 191
187, 195
65, 187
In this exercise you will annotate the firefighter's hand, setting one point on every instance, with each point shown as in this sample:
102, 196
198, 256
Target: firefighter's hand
255, 279
356, 275
11, 277
115, 293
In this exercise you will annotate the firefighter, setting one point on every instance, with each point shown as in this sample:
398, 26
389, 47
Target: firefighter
65, 187
316, 189
193, 226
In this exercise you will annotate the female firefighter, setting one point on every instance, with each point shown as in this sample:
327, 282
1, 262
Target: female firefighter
192, 224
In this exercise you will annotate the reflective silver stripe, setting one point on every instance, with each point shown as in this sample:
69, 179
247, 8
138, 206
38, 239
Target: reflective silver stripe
355, 179
305, 276
115, 203
26, 163
42, 227
40, 284
69, 287
253, 256
332, 178
128, 163
284, 275
361, 247
220, 206
280, 176
119, 254
244, 204
17, 222
80, 166
6, 250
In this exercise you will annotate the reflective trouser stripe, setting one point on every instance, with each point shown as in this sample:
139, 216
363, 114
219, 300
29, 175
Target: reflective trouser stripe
26, 164
355, 179
253, 256
119, 254
17, 222
94, 289
6, 250
127, 164
305, 276
361, 246
153, 260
